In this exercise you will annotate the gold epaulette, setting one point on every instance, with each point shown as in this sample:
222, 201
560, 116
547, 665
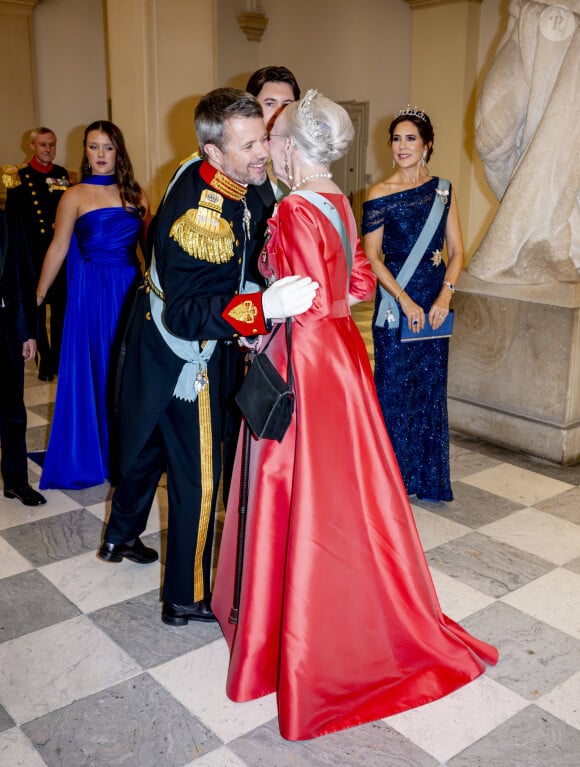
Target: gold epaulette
10, 177
203, 233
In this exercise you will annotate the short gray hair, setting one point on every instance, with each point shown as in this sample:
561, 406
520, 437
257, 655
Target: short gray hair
40, 132
321, 128
215, 108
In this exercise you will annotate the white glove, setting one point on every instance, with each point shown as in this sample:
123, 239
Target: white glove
288, 296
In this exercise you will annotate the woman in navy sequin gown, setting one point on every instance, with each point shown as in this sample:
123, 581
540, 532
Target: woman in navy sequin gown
411, 378
98, 223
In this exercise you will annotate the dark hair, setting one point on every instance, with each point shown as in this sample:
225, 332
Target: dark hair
272, 75
424, 127
215, 108
129, 189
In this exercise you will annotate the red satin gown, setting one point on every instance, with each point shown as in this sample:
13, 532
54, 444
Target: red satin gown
338, 612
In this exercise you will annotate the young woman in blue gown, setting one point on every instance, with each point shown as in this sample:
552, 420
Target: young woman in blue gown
98, 224
411, 378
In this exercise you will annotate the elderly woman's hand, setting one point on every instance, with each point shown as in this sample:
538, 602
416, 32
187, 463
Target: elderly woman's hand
254, 343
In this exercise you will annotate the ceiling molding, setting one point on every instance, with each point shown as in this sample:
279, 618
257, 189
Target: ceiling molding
434, 3
20, 5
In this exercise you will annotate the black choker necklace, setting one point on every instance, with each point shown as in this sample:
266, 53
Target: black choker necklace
100, 180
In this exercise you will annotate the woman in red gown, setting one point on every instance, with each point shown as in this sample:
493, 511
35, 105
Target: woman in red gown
338, 613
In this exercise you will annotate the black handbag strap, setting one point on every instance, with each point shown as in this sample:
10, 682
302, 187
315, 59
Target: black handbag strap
288, 322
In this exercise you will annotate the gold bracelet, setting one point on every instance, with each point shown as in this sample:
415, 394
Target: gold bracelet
399, 295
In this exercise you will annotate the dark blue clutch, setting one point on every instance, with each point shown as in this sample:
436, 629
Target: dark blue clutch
427, 333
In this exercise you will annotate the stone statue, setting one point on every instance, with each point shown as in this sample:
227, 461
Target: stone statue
528, 137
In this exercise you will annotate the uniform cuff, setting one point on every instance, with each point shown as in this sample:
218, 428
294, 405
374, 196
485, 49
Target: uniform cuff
245, 314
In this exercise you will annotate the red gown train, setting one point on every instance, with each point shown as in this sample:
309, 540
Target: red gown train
338, 612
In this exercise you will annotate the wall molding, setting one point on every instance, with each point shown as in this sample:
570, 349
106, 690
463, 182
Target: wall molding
18, 5
434, 3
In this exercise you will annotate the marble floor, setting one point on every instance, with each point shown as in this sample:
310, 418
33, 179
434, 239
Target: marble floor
89, 675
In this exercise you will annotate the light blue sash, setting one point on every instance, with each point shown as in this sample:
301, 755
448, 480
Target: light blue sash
193, 376
326, 207
388, 308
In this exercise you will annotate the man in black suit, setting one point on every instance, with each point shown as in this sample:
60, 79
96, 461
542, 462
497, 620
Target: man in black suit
33, 194
176, 373
18, 323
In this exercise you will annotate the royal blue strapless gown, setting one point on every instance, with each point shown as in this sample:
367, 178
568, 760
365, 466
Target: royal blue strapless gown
101, 284
411, 378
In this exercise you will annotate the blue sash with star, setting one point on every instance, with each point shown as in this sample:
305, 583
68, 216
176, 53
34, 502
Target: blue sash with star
388, 308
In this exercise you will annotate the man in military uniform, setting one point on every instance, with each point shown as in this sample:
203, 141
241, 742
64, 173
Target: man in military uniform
18, 325
210, 225
34, 191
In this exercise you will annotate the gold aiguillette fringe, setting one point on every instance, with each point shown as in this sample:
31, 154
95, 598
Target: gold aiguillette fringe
203, 233
10, 177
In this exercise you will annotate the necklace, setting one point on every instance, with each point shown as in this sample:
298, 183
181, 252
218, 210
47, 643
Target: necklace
309, 178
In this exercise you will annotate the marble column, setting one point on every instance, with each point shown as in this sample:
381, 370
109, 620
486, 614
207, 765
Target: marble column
17, 82
443, 74
162, 59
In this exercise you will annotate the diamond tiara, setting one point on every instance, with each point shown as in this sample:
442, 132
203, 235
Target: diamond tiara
305, 112
409, 110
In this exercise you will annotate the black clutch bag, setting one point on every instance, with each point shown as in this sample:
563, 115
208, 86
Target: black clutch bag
427, 334
265, 398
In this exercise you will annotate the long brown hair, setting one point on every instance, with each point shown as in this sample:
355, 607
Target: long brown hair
129, 189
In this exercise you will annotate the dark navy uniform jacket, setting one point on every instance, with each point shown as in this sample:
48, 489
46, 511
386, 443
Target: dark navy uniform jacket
34, 202
200, 276
17, 286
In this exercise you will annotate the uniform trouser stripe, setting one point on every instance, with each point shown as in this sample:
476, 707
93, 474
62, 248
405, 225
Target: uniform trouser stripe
207, 487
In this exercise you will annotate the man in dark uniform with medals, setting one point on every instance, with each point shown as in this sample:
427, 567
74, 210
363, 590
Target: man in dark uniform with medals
175, 373
34, 192
18, 325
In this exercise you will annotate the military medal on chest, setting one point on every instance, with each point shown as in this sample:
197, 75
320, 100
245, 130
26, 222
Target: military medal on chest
201, 381
247, 217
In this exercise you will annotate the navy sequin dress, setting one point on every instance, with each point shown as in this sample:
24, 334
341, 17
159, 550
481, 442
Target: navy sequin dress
411, 379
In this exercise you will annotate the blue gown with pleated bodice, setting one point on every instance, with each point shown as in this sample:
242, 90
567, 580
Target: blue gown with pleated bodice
101, 286
411, 378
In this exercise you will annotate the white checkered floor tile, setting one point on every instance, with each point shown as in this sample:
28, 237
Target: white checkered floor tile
89, 675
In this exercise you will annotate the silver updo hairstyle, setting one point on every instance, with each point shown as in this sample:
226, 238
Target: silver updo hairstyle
321, 128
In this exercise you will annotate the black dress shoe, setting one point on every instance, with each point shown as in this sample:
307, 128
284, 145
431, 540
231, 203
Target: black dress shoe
25, 494
135, 551
180, 615
45, 376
